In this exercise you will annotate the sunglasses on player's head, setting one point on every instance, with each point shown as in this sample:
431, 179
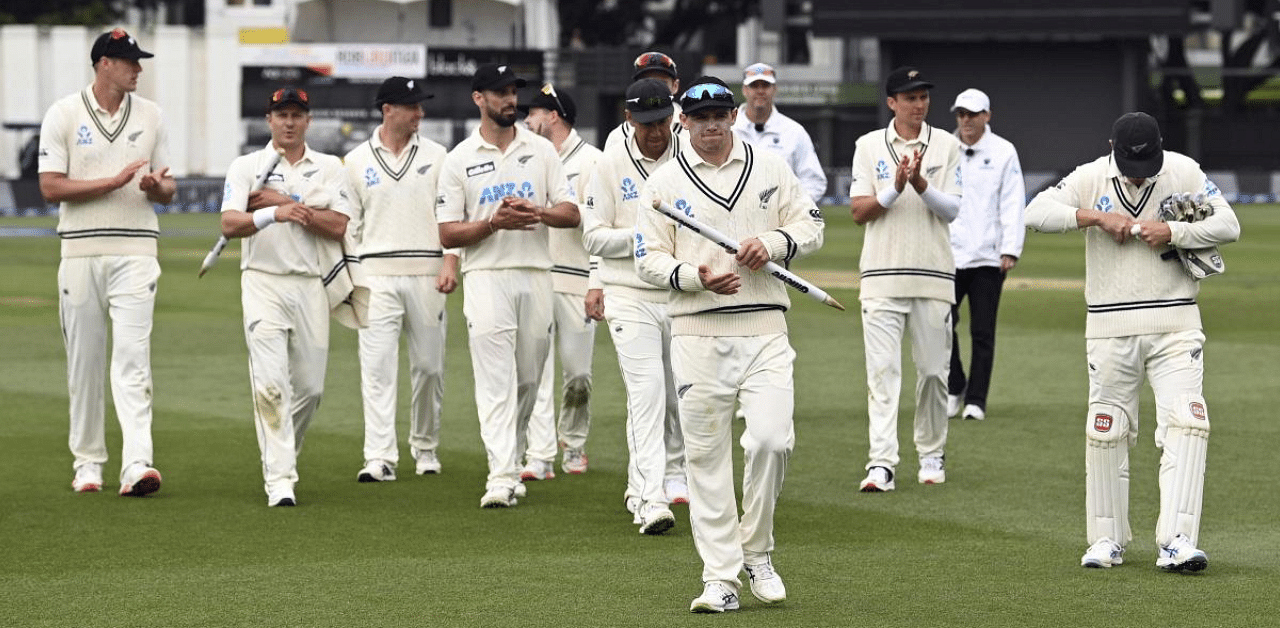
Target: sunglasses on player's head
652, 102
285, 92
705, 91
650, 59
550, 90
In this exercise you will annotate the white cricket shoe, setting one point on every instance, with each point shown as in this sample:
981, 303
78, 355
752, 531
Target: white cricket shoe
574, 461
766, 584
932, 470
376, 471
1103, 554
426, 462
139, 480
878, 480
537, 470
677, 490
1181, 555
953, 405
655, 519
717, 597
501, 497
975, 413
281, 497
633, 507
88, 478
520, 490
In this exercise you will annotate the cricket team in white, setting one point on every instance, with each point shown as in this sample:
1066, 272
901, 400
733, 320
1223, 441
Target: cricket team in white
550, 235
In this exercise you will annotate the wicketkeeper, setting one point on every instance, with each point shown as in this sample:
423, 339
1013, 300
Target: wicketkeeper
1142, 321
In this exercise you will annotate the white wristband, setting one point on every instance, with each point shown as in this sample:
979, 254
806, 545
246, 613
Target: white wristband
887, 196
264, 217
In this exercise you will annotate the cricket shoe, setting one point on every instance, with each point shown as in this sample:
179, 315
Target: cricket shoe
655, 519
953, 405
1180, 555
717, 597
677, 490
974, 412
426, 462
139, 480
520, 491
878, 480
501, 497
537, 470
88, 478
633, 507
932, 470
574, 462
766, 584
1103, 554
376, 471
281, 497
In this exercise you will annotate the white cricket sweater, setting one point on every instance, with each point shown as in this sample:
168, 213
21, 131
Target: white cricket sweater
393, 206
80, 139
571, 265
906, 252
753, 194
609, 217
1131, 289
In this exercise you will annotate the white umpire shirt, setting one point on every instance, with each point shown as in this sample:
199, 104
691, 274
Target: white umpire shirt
787, 139
990, 223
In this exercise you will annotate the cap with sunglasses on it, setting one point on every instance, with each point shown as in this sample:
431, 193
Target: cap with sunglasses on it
649, 101
759, 72
708, 92
654, 62
552, 100
286, 96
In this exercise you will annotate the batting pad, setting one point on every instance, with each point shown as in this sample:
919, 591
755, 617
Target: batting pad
1106, 466
1182, 464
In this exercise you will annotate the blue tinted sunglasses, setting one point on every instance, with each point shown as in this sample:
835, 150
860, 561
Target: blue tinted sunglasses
704, 91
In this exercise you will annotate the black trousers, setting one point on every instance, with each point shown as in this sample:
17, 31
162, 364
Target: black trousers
982, 285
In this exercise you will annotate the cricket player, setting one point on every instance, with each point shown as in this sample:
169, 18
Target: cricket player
552, 114
728, 333
986, 242
905, 191
760, 123
392, 179
103, 159
659, 67
286, 309
1142, 320
499, 191
637, 315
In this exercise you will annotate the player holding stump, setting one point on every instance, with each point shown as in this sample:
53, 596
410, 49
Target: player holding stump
286, 308
1142, 320
102, 159
392, 178
729, 334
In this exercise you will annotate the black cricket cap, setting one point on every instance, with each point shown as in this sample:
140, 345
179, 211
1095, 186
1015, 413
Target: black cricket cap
494, 76
707, 92
289, 96
653, 62
905, 79
1137, 146
649, 100
118, 44
399, 90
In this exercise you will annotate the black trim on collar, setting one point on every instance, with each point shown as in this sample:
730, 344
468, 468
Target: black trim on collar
731, 200
1134, 209
124, 117
394, 174
888, 142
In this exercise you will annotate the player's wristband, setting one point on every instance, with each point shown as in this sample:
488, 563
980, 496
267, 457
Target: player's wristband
264, 217
887, 196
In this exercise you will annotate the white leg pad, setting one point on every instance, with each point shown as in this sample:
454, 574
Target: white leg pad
1182, 464
1107, 474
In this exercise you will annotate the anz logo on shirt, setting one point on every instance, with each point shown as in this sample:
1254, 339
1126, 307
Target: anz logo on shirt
882, 171
371, 177
1104, 205
1210, 189
959, 179
641, 251
84, 137
629, 191
495, 193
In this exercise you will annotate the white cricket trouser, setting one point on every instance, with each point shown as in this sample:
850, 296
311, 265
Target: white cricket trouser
575, 335
641, 332
91, 289
509, 325
410, 303
713, 373
286, 326
929, 323
1174, 364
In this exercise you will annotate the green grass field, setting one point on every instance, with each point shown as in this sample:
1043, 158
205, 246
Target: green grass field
997, 545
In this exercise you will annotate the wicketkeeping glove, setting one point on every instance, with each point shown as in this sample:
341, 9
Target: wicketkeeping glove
1186, 207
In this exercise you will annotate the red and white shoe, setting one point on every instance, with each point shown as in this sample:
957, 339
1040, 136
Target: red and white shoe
88, 478
140, 480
